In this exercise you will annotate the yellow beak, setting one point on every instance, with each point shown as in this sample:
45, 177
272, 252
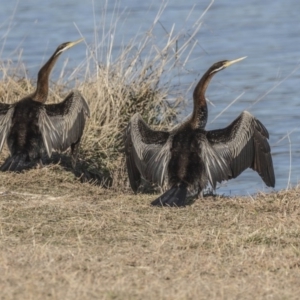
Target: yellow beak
231, 62
71, 44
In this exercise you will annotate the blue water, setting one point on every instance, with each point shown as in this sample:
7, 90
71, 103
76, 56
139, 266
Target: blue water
265, 31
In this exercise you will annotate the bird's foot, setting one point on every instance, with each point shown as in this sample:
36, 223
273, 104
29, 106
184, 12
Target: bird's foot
176, 196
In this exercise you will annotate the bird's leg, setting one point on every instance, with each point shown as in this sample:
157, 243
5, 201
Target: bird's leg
200, 194
40, 164
74, 153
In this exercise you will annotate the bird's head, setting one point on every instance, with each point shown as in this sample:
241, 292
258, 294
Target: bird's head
220, 65
65, 46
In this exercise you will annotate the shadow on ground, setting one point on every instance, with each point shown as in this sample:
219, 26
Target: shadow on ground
85, 170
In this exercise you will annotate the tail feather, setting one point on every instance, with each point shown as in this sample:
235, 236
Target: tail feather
15, 163
175, 196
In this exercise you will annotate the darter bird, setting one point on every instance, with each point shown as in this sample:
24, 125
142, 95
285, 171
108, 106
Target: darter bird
190, 157
32, 128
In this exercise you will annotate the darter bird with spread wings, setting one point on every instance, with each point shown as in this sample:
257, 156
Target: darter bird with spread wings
32, 128
190, 157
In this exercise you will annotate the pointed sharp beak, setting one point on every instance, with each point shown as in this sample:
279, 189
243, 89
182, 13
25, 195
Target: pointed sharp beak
231, 62
71, 44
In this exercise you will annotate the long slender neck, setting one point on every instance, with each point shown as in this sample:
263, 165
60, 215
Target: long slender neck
199, 116
41, 92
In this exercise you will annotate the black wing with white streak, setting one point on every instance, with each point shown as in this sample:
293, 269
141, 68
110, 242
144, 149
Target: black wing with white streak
62, 124
244, 144
6, 114
147, 152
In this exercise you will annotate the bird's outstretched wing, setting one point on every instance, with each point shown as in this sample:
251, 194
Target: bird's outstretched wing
216, 166
6, 114
62, 124
147, 152
244, 144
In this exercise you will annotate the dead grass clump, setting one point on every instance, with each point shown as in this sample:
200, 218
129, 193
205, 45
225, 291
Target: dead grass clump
114, 97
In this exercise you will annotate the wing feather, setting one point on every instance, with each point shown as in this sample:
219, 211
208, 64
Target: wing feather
6, 114
216, 166
244, 144
62, 124
147, 152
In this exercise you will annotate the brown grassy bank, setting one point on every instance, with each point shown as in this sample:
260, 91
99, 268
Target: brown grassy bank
61, 239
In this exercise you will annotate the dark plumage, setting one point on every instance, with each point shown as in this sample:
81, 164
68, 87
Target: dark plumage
190, 157
32, 128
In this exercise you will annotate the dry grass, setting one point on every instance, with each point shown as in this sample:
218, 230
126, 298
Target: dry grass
60, 239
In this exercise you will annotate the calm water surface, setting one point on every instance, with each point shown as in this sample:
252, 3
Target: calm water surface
265, 31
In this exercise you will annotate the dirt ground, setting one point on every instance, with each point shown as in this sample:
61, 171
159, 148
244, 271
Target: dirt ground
63, 239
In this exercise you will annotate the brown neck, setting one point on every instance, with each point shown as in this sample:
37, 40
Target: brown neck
41, 92
199, 116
